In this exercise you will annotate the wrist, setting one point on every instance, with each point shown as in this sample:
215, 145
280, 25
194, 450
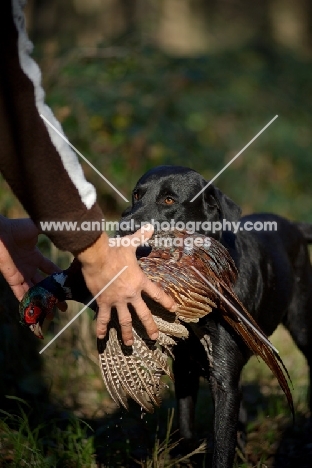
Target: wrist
97, 250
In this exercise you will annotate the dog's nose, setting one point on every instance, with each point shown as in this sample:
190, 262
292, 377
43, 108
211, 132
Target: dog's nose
127, 225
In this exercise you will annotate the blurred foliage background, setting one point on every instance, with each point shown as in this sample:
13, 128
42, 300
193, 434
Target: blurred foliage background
139, 83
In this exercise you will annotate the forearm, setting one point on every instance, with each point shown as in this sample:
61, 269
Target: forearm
39, 166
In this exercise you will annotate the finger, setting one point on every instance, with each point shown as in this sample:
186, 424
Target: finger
48, 267
142, 235
27, 284
14, 278
156, 293
102, 320
146, 318
20, 290
37, 277
125, 322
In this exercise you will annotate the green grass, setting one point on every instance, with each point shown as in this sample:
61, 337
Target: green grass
92, 422
162, 457
270, 429
46, 445
269, 416
85, 420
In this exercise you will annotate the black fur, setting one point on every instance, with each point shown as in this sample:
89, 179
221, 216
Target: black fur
274, 284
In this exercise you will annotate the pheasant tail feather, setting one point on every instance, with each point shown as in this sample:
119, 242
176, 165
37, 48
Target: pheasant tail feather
258, 343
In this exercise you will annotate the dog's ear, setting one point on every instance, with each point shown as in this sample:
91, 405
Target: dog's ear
228, 209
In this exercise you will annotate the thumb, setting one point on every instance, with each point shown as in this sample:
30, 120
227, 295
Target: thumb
144, 233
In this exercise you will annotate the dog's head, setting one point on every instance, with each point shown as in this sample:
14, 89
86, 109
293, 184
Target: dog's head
164, 194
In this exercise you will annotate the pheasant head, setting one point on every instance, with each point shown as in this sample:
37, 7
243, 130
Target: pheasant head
37, 306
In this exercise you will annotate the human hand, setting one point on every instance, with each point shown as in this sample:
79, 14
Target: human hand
102, 262
20, 259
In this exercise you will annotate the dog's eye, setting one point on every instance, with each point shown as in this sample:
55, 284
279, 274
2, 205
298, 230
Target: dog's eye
169, 201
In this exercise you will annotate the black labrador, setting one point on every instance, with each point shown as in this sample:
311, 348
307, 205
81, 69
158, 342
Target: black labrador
274, 283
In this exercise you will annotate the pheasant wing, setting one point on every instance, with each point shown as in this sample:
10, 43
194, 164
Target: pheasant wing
132, 371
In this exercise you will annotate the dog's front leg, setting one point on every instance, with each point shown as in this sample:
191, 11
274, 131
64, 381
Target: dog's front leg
228, 361
227, 402
186, 376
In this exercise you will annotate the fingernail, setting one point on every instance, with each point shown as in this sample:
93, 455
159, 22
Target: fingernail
147, 227
154, 336
129, 343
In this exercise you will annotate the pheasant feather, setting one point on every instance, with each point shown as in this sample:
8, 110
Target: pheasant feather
199, 274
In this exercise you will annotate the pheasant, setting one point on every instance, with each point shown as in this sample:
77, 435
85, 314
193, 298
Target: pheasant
199, 273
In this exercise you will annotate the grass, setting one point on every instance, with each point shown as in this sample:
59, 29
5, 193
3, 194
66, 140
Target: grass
46, 445
126, 439
77, 418
272, 438
162, 451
